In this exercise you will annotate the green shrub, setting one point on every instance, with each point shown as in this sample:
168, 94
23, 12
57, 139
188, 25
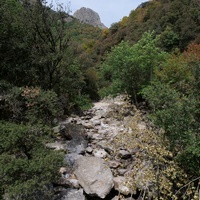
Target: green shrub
178, 116
129, 68
31, 105
26, 165
41, 105
83, 102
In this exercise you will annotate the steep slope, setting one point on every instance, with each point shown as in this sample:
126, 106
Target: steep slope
177, 22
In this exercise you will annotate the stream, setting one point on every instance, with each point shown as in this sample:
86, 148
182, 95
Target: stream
99, 160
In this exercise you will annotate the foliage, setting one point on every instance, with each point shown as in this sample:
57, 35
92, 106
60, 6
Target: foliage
50, 53
174, 99
177, 22
30, 105
49, 65
130, 68
39, 49
169, 39
25, 162
83, 101
91, 87
14, 53
42, 75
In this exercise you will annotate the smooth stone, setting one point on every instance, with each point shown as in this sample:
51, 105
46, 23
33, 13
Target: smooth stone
74, 182
94, 176
124, 154
104, 145
121, 171
113, 164
89, 149
56, 146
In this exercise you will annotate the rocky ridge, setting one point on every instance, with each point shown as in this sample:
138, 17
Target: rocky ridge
111, 153
88, 16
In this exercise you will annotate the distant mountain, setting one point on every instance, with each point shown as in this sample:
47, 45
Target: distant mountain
88, 16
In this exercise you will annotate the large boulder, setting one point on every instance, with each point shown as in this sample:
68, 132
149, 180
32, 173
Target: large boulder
94, 176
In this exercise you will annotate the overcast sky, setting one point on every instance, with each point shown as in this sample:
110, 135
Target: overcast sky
110, 11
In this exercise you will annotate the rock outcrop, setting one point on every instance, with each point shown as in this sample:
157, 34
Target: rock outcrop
88, 16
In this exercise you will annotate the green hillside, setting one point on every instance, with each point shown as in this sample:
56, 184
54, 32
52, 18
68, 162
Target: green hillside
177, 22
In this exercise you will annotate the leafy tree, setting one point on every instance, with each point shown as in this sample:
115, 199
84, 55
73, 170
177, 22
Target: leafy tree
176, 21
176, 114
37, 49
169, 39
174, 99
181, 70
29, 105
91, 86
130, 68
50, 51
14, 52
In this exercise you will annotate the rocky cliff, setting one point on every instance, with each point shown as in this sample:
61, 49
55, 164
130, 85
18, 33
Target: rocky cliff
88, 16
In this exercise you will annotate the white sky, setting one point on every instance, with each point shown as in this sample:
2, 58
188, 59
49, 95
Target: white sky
110, 11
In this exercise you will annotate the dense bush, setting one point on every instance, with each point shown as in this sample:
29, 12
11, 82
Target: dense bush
174, 100
129, 68
30, 105
26, 165
176, 21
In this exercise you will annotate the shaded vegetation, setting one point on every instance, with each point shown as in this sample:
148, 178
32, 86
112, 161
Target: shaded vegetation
27, 167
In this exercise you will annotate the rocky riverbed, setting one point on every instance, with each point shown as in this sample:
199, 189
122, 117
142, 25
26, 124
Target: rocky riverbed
107, 153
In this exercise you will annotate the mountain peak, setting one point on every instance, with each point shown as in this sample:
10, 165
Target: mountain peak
88, 16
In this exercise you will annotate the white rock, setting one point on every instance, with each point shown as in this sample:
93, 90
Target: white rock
105, 145
97, 136
63, 170
94, 176
141, 126
115, 198
74, 182
88, 125
89, 149
113, 164
74, 194
100, 153
121, 171
95, 122
120, 185
56, 146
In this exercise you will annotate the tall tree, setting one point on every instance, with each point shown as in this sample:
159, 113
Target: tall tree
130, 67
174, 98
14, 52
49, 41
